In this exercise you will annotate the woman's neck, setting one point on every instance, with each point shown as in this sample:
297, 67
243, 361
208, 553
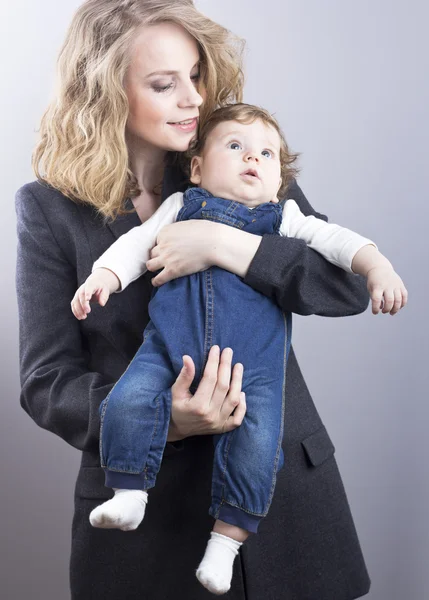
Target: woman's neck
147, 165
145, 205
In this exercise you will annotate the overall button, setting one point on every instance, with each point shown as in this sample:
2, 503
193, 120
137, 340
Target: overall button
204, 203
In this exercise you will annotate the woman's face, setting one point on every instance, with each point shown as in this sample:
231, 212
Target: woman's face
162, 88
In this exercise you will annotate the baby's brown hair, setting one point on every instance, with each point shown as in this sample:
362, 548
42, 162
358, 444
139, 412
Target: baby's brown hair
246, 113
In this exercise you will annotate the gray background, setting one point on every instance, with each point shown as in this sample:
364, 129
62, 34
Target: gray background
348, 82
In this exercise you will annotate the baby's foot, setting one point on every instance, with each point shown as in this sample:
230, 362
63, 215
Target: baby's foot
124, 511
215, 570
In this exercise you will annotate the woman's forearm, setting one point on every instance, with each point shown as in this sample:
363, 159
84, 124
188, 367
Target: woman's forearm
296, 277
234, 249
301, 281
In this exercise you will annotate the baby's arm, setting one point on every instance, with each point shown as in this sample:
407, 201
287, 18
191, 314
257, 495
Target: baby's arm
383, 283
125, 260
350, 251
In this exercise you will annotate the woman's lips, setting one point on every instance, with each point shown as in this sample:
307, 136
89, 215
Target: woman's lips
187, 127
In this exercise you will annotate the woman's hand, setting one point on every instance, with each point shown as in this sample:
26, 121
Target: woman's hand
182, 248
210, 410
187, 247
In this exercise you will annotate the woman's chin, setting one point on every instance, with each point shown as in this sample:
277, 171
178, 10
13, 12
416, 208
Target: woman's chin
181, 145
178, 148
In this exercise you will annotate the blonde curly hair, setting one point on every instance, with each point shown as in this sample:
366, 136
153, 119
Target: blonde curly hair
82, 150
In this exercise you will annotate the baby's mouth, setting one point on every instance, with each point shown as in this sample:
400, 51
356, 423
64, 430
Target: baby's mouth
251, 173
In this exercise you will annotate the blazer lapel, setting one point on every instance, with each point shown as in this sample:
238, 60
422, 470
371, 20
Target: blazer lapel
174, 181
124, 223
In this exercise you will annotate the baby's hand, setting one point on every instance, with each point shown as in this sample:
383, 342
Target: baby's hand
97, 287
385, 284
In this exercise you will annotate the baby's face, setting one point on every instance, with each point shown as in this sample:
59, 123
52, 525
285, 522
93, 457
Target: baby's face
233, 149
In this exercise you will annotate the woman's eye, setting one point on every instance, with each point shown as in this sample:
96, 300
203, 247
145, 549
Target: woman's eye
196, 77
268, 153
234, 145
164, 88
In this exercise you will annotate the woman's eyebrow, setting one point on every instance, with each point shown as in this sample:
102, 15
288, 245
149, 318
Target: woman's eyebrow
168, 72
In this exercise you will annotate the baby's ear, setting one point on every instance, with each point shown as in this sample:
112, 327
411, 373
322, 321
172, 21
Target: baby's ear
195, 170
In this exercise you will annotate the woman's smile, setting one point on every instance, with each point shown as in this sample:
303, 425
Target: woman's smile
185, 126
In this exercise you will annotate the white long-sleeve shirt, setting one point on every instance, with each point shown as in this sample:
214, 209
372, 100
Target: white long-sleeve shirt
127, 256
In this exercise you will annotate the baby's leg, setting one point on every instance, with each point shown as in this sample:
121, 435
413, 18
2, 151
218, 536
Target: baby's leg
243, 485
236, 533
124, 511
134, 419
215, 570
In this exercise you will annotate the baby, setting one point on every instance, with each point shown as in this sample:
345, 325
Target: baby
239, 164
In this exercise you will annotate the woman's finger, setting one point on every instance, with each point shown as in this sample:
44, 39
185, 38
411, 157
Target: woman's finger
232, 398
181, 386
154, 264
163, 277
236, 419
204, 393
154, 252
223, 380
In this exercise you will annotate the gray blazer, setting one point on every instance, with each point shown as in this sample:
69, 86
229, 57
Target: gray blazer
307, 547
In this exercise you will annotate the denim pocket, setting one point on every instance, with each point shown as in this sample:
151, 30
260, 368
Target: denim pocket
318, 447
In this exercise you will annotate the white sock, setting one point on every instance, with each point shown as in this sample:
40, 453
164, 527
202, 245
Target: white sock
215, 570
124, 511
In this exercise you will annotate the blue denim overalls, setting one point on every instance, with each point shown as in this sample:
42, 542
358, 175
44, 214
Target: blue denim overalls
188, 315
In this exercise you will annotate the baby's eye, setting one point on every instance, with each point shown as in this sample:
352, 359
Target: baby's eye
233, 145
267, 153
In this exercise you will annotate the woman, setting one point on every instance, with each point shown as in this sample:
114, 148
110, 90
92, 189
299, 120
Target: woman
133, 75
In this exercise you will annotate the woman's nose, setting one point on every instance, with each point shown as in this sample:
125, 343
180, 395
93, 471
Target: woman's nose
191, 97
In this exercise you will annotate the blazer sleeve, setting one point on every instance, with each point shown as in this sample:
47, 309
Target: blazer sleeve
299, 279
58, 391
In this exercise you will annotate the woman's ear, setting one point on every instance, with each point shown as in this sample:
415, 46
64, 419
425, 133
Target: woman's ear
195, 170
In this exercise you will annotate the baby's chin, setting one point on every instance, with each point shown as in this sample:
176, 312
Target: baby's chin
248, 199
